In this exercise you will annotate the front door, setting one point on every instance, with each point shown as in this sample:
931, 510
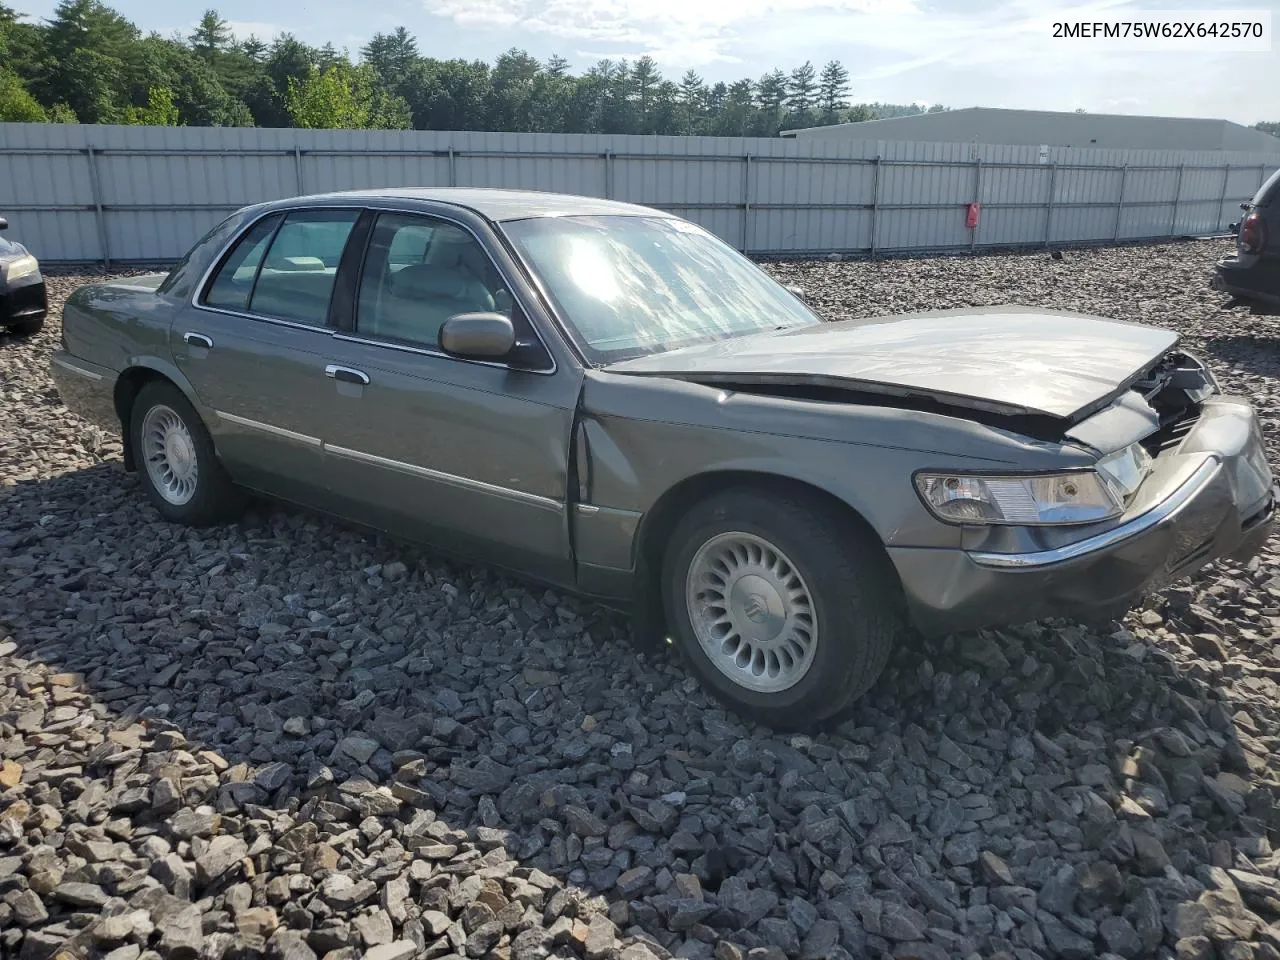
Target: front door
255, 344
471, 456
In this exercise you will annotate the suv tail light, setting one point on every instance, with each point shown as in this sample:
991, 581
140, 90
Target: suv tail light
1253, 233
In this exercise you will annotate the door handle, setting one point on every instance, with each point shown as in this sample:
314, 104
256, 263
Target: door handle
346, 374
197, 340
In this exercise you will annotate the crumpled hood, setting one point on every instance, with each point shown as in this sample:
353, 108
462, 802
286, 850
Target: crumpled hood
1008, 359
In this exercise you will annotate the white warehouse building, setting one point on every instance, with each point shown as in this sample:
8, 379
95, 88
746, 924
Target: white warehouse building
1044, 127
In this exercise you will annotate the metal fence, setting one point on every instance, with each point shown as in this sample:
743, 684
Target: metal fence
144, 194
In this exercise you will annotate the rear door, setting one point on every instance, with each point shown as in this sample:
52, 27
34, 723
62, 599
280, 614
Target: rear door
254, 342
470, 455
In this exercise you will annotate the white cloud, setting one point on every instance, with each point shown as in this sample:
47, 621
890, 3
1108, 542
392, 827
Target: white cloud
243, 29
679, 32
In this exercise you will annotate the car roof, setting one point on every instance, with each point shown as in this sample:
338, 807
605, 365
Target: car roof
492, 203
1268, 192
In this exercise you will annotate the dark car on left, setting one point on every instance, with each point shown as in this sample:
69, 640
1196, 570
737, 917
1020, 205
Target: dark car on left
23, 298
1252, 274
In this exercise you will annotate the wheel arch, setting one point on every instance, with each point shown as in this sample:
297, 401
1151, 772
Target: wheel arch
660, 520
141, 371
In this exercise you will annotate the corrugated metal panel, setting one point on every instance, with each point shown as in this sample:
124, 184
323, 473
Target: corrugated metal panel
151, 191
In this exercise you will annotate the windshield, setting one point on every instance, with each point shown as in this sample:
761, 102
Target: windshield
629, 286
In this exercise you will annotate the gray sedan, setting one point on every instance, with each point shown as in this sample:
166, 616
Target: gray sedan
609, 399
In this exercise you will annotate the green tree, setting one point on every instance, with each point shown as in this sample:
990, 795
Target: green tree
771, 93
90, 62
159, 111
645, 78
329, 98
693, 103
253, 48
511, 88
87, 45
17, 105
833, 90
211, 36
1268, 127
391, 55
340, 96
737, 113
802, 90
549, 99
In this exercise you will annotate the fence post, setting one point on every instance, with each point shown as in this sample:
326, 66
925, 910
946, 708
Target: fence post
977, 198
1177, 195
746, 200
1124, 179
1222, 197
453, 167
95, 187
875, 201
297, 169
608, 174
1048, 216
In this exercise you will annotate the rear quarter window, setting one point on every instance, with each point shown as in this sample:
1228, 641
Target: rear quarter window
188, 271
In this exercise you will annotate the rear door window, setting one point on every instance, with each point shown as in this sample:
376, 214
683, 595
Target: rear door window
295, 280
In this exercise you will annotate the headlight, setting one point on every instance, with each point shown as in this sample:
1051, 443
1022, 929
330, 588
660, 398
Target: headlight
1047, 499
1038, 500
19, 267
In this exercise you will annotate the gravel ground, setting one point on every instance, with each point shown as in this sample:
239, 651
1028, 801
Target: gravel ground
287, 738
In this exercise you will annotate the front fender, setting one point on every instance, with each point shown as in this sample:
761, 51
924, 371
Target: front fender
646, 438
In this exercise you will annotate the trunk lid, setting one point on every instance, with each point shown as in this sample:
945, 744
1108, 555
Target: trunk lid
1009, 360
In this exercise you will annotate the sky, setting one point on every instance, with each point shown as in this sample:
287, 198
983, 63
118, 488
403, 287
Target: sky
961, 53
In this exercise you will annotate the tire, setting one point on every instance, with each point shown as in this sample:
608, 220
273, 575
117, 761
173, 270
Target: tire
26, 328
852, 610
200, 492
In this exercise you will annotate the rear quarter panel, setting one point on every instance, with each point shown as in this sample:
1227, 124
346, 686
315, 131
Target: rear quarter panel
115, 327
109, 324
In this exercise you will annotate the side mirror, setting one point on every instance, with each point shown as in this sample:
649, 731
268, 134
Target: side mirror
478, 336
797, 292
4, 224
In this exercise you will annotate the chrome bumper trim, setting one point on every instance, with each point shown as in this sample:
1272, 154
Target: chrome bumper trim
67, 365
1139, 525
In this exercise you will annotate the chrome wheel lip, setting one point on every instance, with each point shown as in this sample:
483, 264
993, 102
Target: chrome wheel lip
752, 612
169, 454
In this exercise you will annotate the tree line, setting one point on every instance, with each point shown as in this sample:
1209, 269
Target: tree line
89, 64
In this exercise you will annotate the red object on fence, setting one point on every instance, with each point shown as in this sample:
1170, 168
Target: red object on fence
972, 211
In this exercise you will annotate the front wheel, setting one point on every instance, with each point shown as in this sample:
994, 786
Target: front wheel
784, 608
177, 465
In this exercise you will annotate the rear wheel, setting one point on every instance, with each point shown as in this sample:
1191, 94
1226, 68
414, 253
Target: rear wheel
784, 609
177, 465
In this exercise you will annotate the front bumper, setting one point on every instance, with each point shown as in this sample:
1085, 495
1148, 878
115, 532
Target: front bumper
23, 302
1211, 497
